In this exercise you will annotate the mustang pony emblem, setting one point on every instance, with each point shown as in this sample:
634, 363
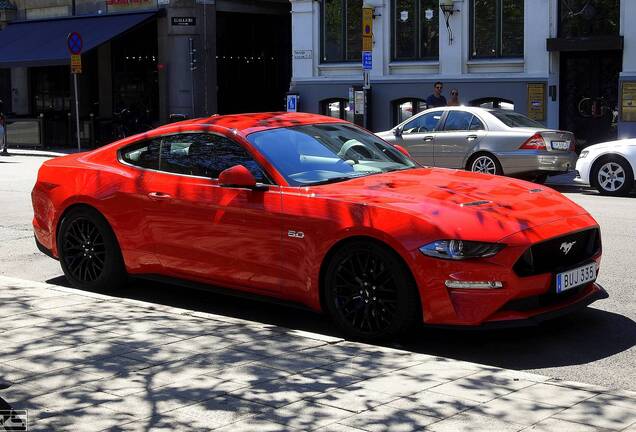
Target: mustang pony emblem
566, 247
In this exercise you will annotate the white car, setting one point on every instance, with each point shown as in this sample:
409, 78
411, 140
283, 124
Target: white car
608, 167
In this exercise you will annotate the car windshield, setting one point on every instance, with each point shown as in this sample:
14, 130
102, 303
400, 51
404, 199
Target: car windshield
514, 120
326, 153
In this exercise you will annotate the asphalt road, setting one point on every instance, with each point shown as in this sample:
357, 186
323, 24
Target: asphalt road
596, 345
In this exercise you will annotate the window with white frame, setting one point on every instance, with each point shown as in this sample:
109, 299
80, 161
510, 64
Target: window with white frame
415, 30
496, 28
341, 30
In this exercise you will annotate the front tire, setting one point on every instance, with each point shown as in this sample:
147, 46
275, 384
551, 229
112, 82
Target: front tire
89, 253
484, 163
613, 176
369, 293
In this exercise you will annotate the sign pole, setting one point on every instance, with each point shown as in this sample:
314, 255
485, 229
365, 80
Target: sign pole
74, 43
77, 124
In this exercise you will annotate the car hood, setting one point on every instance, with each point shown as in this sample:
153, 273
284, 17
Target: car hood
612, 144
462, 204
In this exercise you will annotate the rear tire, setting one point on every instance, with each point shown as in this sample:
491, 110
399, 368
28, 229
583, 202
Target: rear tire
484, 163
369, 292
89, 253
612, 176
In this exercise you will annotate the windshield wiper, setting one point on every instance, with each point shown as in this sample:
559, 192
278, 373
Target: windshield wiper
331, 180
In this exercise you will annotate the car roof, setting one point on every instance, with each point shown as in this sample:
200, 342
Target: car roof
254, 122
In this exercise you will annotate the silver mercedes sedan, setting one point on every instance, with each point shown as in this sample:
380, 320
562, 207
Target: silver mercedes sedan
493, 141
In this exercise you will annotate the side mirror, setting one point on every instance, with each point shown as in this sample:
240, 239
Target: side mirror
397, 131
240, 177
402, 150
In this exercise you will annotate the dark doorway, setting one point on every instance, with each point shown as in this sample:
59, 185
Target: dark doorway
253, 62
5, 90
589, 95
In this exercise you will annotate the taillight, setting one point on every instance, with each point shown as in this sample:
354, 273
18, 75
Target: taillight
535, 142
573, 143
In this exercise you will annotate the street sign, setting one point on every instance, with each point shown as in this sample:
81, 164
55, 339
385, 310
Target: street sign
367, 60
367, 29
76, 63
74, 43
292, 103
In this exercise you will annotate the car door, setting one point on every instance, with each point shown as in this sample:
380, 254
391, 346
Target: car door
418, 136
461, 133
201, 230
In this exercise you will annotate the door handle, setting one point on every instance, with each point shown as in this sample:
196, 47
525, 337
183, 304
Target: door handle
428, 138
158, 196
471, 137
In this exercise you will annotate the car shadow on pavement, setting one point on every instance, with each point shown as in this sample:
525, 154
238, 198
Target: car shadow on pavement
582, 337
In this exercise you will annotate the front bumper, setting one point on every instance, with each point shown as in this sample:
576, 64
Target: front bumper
536, 161
521, 298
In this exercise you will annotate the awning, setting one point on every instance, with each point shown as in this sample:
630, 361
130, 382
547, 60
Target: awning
43, 42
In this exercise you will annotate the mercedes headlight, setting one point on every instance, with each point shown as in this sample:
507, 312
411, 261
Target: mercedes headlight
584, 154
460, 249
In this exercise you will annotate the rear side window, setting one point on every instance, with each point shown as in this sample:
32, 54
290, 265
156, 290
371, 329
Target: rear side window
196, 154
513, 119
204, 155
424, 123
458, 121
476, 124
143, 154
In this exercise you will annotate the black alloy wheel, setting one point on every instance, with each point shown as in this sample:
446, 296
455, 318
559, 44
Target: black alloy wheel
369, 292
89, 252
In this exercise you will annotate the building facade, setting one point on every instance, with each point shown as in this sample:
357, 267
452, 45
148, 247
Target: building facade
149, 58
570, 64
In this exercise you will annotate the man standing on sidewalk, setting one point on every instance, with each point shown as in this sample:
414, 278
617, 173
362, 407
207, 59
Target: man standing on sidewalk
436, 99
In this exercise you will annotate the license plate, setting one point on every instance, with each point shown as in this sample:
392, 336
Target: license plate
575, 277
560, 145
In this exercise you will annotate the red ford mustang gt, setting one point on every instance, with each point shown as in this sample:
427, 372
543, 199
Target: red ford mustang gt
316, 211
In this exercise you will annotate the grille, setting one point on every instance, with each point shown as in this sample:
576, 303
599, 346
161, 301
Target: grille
535, 302
549, 256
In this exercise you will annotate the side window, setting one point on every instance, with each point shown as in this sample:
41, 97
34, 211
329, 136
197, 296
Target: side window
204, 155
143, 154
458, 121
424, 123
476, 124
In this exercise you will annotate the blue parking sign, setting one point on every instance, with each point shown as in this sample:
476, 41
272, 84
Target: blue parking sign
292, 103
367, 60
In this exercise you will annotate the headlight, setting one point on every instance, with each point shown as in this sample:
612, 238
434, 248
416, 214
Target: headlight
460, 249
584, 154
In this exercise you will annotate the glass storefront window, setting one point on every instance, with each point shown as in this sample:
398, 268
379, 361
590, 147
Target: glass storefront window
337, 108
581, 18
497, 28
341, 30
415, 29
406, 108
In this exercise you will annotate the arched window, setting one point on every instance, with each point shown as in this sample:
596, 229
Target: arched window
493, 102
405, 108
336, 107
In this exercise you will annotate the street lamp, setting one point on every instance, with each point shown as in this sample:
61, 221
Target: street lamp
448, 8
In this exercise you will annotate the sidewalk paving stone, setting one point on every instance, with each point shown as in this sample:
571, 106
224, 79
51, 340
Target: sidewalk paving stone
473, 422
306, 415
390, 419
555, 425
433, 404
86, 361
599, 413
